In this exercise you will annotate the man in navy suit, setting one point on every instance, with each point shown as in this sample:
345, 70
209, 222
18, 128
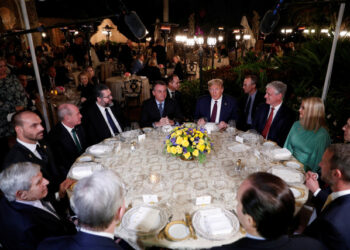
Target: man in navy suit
30, 147
173, 90
217, 108
103, 118
274, 119
25, 219
67, 138
137, 66
160, 111
249, 103
265, 209
99, 204
332, 225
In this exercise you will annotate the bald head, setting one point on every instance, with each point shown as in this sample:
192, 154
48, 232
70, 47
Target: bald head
69, 115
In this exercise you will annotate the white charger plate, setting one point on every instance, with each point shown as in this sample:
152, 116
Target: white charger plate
100, 150
144, 220
287, 174
238, 148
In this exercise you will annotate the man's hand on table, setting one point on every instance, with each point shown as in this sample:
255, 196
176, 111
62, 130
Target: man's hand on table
164, 121
201, 122
311, 181
222, 125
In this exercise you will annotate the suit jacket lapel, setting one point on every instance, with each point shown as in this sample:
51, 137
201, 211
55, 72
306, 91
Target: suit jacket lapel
67, 138
156, 109
223, 109
207, 107
100, 120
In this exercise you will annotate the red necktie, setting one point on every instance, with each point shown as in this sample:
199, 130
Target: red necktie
268, 124
213, 113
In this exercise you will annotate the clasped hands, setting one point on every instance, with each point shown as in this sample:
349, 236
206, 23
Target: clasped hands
311, 181
164, 121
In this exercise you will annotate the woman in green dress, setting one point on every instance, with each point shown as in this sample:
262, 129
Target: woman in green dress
308, 138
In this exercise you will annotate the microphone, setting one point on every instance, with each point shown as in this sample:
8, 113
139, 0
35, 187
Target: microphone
270, 19
269, 22
135, 25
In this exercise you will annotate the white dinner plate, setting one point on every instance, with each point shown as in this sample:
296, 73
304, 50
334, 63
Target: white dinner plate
294, 164
238, 148
100, 150
144, 220
177, 231
84, 169
287, 174
215, 223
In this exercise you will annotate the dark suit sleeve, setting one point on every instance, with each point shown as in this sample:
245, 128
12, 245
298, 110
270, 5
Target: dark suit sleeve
197, 112
146, 120
178, 118
234, 114
320, 199
327, 233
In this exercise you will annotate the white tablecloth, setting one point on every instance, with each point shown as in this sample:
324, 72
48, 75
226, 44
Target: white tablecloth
116, 83
219, 62
179, 182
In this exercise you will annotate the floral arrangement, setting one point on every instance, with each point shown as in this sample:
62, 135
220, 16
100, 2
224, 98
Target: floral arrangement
60, 89
188, 143
127, 74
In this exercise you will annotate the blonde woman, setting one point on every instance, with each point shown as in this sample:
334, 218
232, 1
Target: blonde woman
309, 138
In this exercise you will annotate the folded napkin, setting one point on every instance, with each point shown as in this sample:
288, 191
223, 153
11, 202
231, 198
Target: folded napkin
281, 154
217, 223
211, 126
239, 148
144, 219
84, 169
100, 149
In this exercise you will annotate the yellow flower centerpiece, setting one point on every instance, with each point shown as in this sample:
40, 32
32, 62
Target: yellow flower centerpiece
188, 143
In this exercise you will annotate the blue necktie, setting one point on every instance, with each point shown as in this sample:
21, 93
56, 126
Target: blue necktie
111, 122
160, 107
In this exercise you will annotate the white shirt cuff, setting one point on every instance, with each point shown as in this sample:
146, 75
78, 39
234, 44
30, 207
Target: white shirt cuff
316, 192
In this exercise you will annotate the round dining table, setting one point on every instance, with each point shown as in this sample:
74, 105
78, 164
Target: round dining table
147, 169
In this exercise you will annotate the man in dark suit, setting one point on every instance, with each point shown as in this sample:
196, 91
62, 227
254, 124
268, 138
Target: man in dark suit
25, 219
160, 111
67, 139
103, 118
249, 103
99, 208
30, 147
332, 224
274, 119
173, 90
51, 80
217, 108
137, 65
265, 210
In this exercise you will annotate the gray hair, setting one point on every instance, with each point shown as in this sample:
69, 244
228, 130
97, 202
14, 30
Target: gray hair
341, 159
97, 198
63, 110
280, 87
17, 177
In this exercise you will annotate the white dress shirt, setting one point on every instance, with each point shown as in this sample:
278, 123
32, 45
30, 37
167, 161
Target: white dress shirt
102, 234
31, 147
218, 110
70, 132
103, 112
